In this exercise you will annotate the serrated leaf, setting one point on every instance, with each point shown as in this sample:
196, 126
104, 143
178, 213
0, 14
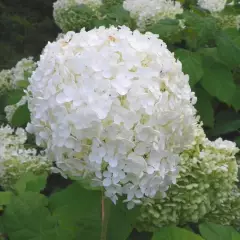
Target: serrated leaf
218, 82
175, 233
5, 198
228, 51
211, 231
27, 218
226, 122
192, 64
21, 116
204, 107
30, 182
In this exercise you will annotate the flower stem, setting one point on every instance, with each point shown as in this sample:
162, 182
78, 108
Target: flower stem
105, 217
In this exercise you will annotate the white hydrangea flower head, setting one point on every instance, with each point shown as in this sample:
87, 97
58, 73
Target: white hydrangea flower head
63, 4
113, 105
10, 78
15, 160
67, 16
212, 5
227, 20
23, 70
6, 82
146, 12
206, 188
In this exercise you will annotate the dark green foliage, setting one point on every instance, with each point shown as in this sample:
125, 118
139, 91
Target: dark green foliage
26, 27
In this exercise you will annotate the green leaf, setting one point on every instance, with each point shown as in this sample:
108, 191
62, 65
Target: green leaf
218, 82
211, 231
27, 218
237, 141
228, 51
21, 116
175, 233
192, 64
226, 122
14, 96
204, 107
210, 52
31, 183
5, 198
166, 29
78, 211
23, 84
236, 99
199, 29
121, 221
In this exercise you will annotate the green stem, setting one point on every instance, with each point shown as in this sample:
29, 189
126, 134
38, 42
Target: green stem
105, 217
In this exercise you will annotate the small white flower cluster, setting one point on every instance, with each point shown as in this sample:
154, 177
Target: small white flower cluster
146, 12
11, 109
212, 5
9, 79
5, 80
67, 16
23, 70
15, 160
226, 20
114, 106
63, 4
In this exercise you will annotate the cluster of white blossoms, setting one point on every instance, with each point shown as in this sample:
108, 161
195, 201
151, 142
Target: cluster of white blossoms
5, 80
67, 15
206, 188
9, 79
63, 4
23, 70
212, 5
114, 106
15, 159
147, 12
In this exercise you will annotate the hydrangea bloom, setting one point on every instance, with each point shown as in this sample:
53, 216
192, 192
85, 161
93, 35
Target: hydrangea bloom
113, 105
15, 160
146, 12
228, 20
205, 189
212, 5
9, 79
74, 14
5, 80
23, 70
